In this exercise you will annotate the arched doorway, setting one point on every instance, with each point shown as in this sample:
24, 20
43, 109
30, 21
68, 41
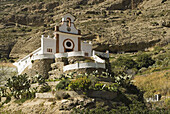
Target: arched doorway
68, 45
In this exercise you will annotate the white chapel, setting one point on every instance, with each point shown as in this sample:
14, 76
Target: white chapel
65, 43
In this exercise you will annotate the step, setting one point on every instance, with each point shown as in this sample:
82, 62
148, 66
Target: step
44, 95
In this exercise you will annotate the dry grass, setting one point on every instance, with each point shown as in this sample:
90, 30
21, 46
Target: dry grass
6, 64
154, 83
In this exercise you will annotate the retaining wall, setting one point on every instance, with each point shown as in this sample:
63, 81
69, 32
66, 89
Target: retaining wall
83, 65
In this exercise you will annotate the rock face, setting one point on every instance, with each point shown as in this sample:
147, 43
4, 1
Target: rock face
129, 47
42, 67
57, 70
115, 25
124, 4
5, 50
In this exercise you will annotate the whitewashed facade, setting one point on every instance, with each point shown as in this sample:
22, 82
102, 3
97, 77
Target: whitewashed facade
65, 43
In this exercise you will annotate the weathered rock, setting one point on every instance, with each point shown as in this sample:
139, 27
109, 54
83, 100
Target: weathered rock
44, 95
42, 67
72, 60
166, 23
134, 34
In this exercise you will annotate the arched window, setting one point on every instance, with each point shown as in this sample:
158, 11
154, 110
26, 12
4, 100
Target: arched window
69, 22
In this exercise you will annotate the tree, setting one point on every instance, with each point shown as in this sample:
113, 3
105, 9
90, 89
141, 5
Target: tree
144, 60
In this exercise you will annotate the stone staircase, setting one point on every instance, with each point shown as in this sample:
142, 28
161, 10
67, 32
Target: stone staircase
57, 70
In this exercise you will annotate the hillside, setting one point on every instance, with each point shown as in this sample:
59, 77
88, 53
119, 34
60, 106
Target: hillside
110, 24
134, 78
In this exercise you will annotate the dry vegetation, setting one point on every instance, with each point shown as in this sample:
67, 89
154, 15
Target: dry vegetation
154, 83
117, 27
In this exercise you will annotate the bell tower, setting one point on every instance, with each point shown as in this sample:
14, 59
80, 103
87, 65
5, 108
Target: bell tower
67, 36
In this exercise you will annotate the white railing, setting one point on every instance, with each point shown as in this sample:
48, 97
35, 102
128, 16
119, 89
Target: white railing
22, 67
98, 59
102, 54
70, 54
83, 65
24, 63
26, 57
43, 56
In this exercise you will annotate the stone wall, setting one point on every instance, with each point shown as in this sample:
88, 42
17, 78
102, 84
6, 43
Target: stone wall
85, 70
62, 59
42, 67
72, 60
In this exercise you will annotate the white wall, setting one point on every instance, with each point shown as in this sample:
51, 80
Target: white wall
23, 63
48, 43
83, 65
70, 54
62, 37
98, 59
63, 27
86, 47
102, 54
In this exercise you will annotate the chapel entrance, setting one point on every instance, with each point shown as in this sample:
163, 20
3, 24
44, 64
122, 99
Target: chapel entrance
68, 45
68, 50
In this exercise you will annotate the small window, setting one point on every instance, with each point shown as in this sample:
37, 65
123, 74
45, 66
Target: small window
86, 54
49, 50
68, 22
68, 44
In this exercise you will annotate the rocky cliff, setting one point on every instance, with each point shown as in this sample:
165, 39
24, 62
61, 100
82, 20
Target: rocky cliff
115, 25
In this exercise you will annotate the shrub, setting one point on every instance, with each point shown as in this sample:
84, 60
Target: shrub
82, 83
63, 84
40, 79
106, 87
3, 91
119, 70
32, 61
124, 80
144, 60
98, 86
18, 85
126, 62
167, 103
157, 49
45, 88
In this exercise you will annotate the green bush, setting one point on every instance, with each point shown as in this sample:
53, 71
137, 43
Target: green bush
3, 92
44, 88
82, 83
19, 87
125, 62
124, 80
98, 86
144, 60
118, 70
40, 79
167, 103
63, 84
106, 87
157, 49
